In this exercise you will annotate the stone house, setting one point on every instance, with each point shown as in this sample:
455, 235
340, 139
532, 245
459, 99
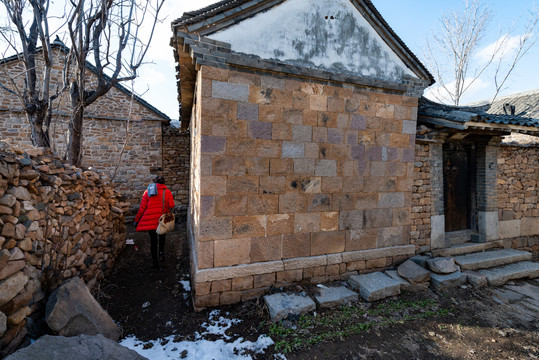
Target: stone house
123, 133
303, 134
477, 173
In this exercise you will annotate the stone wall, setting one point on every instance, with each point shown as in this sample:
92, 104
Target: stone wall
56, 222
122, 137
295, 180
421, 197
176, 158
518, 195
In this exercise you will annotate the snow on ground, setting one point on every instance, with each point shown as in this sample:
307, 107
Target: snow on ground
200, 348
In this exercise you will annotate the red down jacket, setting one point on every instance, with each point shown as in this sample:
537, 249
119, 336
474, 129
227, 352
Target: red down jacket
151, 208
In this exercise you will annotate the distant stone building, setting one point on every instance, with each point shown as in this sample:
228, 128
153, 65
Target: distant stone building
303, 119
123, 134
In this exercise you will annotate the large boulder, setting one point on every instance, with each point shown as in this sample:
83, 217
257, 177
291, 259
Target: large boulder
72, 310
82, 347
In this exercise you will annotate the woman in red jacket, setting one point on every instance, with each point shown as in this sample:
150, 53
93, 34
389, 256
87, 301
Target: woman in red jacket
147, 219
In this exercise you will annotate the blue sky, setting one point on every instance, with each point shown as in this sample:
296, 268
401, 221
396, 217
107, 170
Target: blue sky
412, 20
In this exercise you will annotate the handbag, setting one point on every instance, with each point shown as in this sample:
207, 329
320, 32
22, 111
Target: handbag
166, 221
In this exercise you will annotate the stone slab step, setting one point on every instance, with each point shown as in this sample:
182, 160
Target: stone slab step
466, 248
500, 275
405, 285
281, 305
375, 286
488, 259
334, 296
447, 281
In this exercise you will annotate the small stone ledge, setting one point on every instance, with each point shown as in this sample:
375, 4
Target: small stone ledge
231, 272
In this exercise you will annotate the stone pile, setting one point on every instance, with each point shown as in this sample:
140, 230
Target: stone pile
56, 222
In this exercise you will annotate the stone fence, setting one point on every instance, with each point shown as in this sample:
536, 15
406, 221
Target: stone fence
56, 222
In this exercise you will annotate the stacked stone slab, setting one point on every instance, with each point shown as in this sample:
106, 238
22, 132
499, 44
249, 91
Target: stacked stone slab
56, 222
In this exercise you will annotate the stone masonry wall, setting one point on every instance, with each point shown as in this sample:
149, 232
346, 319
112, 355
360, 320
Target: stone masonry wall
296, 180
176, 158
120, 135
421, 197
518, 196
56, 222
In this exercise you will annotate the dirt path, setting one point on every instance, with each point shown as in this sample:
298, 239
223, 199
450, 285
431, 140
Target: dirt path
487, 323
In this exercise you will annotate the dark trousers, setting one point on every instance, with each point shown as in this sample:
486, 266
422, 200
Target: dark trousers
154, 249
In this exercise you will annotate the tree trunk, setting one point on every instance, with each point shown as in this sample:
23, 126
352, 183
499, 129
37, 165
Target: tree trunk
40, 136
74, 145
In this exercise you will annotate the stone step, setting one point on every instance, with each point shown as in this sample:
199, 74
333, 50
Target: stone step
466, 248
375, 286
447, 281
281, 305
500, 275
488, 259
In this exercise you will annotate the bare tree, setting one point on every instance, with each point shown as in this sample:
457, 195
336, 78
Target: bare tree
451, 50
35, 95
109, 33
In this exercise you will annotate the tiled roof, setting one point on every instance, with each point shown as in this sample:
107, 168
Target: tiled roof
526, 104
480, 113
59, 45
195, 16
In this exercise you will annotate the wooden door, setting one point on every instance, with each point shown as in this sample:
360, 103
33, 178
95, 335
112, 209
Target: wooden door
458, 187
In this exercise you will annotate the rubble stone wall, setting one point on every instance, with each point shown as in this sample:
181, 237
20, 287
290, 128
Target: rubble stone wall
518, 196
296, 180
56, 222
421, 197
176, 158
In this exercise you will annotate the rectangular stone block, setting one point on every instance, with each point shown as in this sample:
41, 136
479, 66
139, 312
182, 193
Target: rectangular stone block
329, 221
292, 150
267, 149
247, 111
327, 242
231, 205
391, 200
318, 202
260, 130
212, 144
325, 168
257, 166
302, 133
230, 91
215, 228
249, 226
266, 248
204, 254
279, 224
263, 280
242, 185
377, 218
281, 167
351, 220
509, 229
529, 226
272, 185
281, 131
296, 245
228, 165
292, 203
241, 146
361, 239
242, 283
318, 102
263, 204
232, 252
304, 166
335, 136
309, 222
374, 286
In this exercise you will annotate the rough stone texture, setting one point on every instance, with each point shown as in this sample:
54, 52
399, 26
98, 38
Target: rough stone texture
333, 296
443, 265
420, 229
475, 278
525, 289
84, 347
421, 260
501, 275
375, 286
405, 285
490, 259
282, 305
441, 282
75, 209
412, 272
175, 168
3, 323
72, 311
337, 175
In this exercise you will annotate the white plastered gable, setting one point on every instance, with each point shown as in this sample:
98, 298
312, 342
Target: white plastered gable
330, 35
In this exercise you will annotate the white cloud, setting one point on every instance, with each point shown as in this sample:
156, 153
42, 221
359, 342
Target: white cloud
503, 46
476, 92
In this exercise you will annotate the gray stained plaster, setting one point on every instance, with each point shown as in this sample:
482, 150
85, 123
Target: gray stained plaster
331, 36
